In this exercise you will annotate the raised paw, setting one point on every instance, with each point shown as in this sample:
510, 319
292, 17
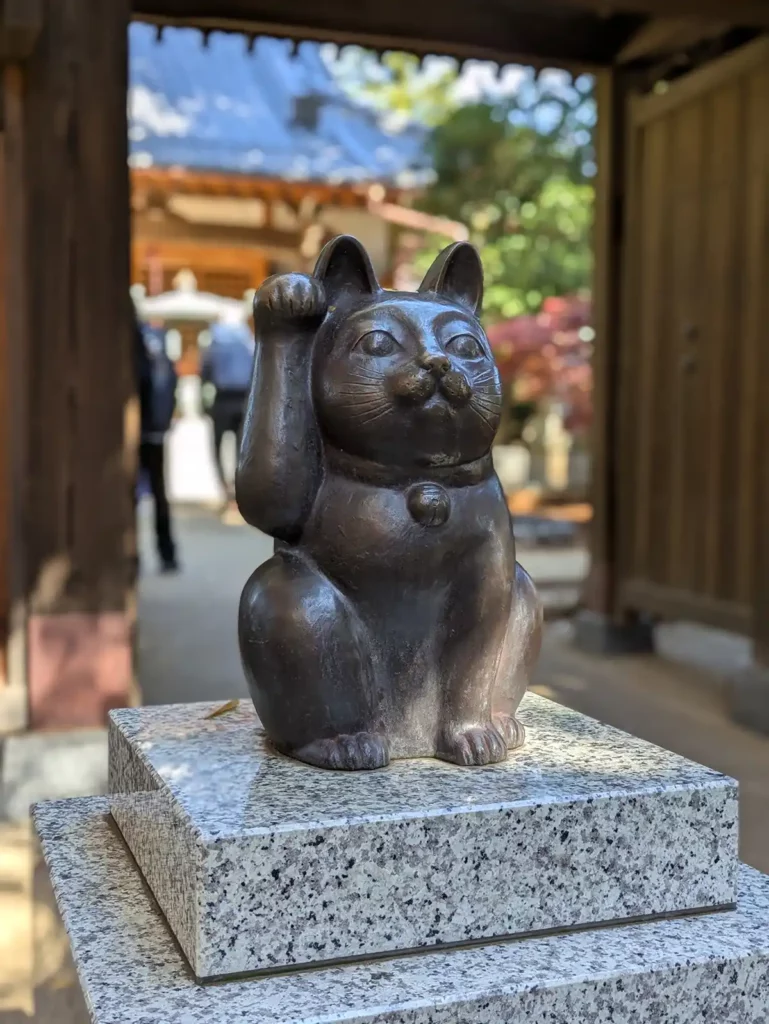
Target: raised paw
512, 730
292, 297
474, 745
362, 751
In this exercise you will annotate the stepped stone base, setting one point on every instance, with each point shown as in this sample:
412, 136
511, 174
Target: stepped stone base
260, 863
712, 967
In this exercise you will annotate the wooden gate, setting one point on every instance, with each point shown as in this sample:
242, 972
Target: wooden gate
695, 371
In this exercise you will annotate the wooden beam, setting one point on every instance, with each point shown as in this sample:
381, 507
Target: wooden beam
21, 22
533, 31
673, 605
710, 76
416, 220
179, 254
165, 181
747, 13
167, 227
662, 36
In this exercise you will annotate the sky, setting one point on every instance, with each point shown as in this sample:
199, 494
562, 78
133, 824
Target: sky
477, 81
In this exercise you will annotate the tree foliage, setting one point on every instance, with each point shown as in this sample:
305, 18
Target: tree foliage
548, 356
518, 172
515, 165
399, 86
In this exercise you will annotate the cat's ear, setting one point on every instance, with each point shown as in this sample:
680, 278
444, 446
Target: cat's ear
345, 269
457, 275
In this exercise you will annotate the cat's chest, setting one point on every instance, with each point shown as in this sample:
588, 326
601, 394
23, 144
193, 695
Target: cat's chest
400, 529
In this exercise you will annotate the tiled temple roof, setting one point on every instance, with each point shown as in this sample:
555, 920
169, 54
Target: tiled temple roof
267, 112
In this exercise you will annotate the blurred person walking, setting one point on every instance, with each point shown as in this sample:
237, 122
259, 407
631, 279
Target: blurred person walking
157, 402
227, 366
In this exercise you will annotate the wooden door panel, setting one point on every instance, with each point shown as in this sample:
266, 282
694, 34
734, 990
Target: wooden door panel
697, 237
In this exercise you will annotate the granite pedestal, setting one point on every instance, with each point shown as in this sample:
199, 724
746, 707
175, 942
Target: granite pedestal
592, 877
259, 862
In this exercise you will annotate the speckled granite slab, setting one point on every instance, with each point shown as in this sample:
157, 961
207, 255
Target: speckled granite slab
708, 969
260, 863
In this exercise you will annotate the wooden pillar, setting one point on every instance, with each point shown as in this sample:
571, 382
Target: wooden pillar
14, 711
20, 26
599, 626
750, 689
69, 325
5, 448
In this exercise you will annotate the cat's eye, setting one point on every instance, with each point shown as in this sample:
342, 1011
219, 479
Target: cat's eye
378, 343
465, 346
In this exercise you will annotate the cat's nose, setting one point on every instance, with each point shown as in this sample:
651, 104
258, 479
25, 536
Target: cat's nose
438, 365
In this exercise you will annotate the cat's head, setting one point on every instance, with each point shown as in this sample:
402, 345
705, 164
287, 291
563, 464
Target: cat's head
405, 379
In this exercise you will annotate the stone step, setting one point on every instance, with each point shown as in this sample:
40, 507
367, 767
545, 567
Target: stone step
711, 967
262, 864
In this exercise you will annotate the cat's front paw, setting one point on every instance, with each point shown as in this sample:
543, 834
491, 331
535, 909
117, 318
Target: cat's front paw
294, 297
361, 751
512, 730
472, 745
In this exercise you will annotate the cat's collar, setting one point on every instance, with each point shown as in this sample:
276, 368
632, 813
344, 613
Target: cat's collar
369, 472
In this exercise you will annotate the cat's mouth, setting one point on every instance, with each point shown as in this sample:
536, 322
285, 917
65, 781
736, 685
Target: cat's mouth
417, 387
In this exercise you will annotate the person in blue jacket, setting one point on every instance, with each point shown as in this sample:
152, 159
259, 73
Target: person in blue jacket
228, 364
157, 379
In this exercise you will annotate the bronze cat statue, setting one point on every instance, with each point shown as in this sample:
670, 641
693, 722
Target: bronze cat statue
393, 620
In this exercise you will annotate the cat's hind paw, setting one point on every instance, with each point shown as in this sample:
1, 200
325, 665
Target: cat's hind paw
361, 751
474, 745
512, 730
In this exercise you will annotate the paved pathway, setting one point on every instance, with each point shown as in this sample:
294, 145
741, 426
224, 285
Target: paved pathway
188, 646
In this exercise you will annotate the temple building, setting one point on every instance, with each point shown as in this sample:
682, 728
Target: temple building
247, 156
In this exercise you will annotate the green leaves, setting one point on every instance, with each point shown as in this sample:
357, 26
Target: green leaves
396, 84
525, 194
515, 167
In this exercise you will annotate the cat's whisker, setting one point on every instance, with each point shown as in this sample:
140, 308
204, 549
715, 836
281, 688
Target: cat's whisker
491, 406
488, 396
373, 403
487, 423
366, 420
475, 403
363, 408
360, 375
379, 403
